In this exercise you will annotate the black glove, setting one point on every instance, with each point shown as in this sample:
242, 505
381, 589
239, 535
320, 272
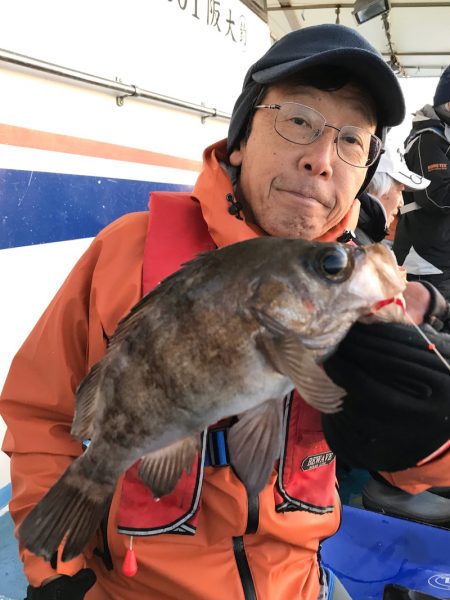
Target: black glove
438, 313
397, 408
64, 587
398, 592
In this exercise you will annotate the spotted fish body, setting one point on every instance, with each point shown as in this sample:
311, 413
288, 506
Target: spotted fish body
231, 333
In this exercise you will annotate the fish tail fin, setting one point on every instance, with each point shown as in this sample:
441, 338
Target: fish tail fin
70, 512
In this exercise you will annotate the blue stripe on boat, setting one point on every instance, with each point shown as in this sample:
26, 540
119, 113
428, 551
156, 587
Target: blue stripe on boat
38, 207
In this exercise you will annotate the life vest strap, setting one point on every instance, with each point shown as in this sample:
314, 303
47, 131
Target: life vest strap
217, 454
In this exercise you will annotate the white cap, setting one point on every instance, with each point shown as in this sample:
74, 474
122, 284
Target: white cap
397, 169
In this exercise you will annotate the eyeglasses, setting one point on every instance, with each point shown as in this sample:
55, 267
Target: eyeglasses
303, 125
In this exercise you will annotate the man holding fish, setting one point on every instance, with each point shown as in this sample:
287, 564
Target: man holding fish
207, 474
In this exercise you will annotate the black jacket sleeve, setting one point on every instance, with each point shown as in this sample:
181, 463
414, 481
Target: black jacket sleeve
430, 157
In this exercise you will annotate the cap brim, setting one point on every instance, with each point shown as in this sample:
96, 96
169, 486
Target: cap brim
368, 68
408, 182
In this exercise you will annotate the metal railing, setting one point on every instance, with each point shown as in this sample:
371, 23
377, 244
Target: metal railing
123, 90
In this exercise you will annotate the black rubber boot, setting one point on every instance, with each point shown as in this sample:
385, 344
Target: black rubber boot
378, 495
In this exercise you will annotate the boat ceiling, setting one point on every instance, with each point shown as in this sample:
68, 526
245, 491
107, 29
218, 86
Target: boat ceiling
414, 36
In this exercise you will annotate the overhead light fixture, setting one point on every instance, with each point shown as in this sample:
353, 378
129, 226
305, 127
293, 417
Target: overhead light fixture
364, 10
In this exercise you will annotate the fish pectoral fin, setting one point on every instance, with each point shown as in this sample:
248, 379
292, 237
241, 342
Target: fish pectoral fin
254, 443
291, 358
162, 469
85, 403
315, 387
272, 325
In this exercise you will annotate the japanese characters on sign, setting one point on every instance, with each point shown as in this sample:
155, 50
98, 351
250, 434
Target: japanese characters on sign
218, 15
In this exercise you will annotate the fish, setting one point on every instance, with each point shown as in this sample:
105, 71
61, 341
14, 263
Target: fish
229, 334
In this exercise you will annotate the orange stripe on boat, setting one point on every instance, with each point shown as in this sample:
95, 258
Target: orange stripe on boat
55, 142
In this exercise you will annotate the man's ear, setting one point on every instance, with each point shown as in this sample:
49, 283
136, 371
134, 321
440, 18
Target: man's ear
237, 156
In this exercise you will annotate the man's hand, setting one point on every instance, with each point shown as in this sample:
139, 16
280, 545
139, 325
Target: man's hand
417, 299
397, 409
64, 587
425, 304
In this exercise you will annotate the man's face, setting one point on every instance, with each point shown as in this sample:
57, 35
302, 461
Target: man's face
301, 191
392, 201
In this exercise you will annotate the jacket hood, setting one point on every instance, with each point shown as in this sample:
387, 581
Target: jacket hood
425, 113
424, 118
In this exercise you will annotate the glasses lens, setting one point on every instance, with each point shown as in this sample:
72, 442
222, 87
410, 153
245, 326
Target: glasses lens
357, 146
299, 124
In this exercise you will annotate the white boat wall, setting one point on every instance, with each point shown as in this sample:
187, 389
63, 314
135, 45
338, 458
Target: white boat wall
85, 141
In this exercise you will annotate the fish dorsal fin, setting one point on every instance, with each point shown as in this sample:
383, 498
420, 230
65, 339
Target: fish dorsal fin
85, 404
131, 320
291, 358
162, 469
254, 443
138, 312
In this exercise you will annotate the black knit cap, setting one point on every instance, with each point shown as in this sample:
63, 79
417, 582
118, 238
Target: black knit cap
442, 93
320, 45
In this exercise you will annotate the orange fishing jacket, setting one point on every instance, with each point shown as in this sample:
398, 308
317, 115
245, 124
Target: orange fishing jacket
233, 554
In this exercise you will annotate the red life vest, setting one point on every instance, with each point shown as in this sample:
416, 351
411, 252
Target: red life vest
176, 233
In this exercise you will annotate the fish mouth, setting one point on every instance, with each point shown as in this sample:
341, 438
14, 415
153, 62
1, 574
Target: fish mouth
391, 310
326, 341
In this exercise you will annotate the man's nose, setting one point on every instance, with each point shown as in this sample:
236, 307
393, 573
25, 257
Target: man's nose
318, 157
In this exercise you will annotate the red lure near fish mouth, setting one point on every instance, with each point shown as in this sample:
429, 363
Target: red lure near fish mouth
399, 301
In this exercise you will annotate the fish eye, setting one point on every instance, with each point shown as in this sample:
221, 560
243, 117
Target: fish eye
335, 264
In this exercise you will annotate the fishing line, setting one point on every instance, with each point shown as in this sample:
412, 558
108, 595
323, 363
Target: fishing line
431, 346
402, 305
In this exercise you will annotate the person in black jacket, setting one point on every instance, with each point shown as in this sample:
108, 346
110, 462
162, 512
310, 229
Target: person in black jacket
422, 240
